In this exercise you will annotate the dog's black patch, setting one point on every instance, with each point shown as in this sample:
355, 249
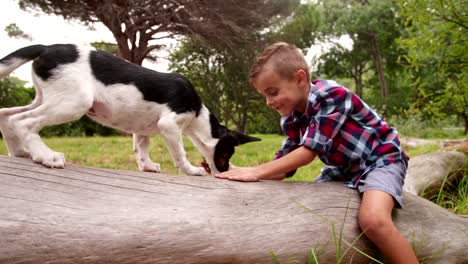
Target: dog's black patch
225, 147
223, 152
53, 56
217, 130
171, 88
228, 140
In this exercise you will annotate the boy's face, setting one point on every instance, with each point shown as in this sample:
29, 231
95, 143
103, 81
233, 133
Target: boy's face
281, 94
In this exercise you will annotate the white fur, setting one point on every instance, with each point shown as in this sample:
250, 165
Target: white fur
73, 90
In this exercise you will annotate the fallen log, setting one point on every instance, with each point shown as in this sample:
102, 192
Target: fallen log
428, 172
89, 215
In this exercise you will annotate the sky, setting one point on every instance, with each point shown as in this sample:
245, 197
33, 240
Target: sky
50, 29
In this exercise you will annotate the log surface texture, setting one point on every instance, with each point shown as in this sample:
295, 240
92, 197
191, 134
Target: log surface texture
89, 215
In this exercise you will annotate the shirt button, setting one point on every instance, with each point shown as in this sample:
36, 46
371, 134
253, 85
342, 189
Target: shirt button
312, 125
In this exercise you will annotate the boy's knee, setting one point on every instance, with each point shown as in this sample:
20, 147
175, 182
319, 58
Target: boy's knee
374, 224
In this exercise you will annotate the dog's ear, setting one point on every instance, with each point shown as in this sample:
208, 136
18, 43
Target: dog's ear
223, 152
225, 148
242, 138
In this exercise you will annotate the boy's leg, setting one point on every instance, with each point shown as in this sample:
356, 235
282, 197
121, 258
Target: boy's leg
375, 219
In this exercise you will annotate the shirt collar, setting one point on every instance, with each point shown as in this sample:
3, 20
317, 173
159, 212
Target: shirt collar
296, 115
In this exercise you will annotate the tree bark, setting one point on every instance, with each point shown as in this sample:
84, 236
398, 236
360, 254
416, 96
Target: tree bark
90, 215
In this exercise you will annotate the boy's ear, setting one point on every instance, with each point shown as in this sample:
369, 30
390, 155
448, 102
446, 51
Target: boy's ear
301, 76
242, 139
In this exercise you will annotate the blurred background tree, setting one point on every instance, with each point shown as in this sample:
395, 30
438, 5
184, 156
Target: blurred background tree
436, 40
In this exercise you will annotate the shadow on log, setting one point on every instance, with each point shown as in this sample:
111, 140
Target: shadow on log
90, 215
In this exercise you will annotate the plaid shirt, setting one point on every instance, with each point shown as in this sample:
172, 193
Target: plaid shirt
347, 135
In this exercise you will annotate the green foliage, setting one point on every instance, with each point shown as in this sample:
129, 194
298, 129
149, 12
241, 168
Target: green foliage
413, 125
437, 57
106, 46
14, 31
300, 28
220, 77
13, 92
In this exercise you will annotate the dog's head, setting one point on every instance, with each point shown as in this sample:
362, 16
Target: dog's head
228, 140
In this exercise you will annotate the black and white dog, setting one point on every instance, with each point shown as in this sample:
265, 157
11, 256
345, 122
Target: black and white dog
72, 81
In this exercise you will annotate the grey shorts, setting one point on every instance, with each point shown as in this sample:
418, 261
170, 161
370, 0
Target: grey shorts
388, 179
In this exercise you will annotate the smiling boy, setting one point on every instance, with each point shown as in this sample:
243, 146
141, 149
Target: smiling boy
322, 118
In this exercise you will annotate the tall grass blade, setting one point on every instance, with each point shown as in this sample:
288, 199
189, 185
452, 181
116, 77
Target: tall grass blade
275, 258
313, 257
361, 252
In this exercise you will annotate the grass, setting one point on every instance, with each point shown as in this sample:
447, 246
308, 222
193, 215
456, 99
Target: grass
453, 196
116, 153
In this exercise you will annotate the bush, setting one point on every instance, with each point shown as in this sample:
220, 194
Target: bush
413, 125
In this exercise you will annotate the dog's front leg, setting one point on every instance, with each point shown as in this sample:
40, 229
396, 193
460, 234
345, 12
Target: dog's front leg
172, 135
141, 149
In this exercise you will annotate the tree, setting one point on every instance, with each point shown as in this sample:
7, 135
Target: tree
136, 23
220, 77
435, 39
373, 28
220, 74
14, 31
13, 93
340, 62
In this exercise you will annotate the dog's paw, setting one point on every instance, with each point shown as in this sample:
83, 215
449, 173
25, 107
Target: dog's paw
151, 167
51, 160
197, 171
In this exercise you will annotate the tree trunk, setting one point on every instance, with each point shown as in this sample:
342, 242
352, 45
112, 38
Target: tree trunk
358, 83
90, 215
380, 71
465, 119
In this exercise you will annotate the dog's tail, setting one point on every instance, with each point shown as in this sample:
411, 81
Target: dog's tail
19, 57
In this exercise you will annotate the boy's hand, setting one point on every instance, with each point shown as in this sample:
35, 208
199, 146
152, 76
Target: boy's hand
245, 174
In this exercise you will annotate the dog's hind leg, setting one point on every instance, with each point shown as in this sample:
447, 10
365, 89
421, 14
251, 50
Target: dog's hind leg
141, 149
14, 144
172, 135
60, 106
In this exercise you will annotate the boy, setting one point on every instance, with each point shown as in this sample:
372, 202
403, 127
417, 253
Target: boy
325, 119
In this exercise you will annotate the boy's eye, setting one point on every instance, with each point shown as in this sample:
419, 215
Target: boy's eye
273, 93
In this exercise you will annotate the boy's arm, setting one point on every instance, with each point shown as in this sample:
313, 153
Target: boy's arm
273, 170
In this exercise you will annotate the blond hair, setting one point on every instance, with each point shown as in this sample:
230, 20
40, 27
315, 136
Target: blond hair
285, 58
